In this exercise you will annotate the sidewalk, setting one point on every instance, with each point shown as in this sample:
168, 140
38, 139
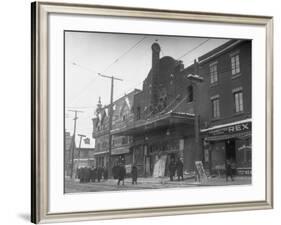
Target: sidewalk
150, 183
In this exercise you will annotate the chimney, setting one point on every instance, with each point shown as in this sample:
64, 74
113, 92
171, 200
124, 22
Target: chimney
155, 74
196, 67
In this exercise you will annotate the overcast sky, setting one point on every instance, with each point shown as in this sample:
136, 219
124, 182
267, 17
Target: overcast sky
125, 56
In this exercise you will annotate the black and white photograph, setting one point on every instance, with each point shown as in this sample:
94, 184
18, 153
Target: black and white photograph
145, 111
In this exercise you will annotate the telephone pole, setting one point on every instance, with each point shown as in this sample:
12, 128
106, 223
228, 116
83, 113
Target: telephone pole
112, 78
81, 137
73, 141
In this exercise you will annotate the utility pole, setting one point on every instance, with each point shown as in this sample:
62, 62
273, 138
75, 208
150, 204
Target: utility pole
73, 141
112, 78
81, 137
195, 80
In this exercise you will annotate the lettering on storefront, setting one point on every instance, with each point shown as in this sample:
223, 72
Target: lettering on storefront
231, 129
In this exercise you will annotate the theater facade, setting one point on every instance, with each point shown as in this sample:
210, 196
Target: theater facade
174, 117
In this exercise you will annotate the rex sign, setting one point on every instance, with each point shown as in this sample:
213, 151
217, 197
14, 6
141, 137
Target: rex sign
236, 128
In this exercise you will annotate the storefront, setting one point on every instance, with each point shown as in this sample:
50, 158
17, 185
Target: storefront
228, 142
122, 155
166, 137
101, 159
147, 154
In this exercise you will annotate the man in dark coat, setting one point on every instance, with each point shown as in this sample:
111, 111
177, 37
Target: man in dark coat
134, 174
87, 174
99, 173
172, 167
105, 173
228, 170
93, 174
179, 166
79, 174
121, 174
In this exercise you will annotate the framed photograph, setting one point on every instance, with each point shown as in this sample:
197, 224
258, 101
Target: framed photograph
147, 112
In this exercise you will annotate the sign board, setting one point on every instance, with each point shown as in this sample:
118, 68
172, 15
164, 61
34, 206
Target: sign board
128, 168
159, 167
236, 128
201, 174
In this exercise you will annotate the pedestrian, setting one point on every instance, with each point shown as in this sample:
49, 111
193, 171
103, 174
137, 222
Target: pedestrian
179, 166
115, 172
134, 174
228, 170
105, 173
172, 167
121, 174
87, 174
82, 175
93, 174
79, 174
99, 173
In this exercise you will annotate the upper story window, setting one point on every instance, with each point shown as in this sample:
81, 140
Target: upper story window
214, 73
190, 93
235, 63
238, 101
215, 106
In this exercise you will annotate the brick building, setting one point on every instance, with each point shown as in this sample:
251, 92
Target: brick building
225, 105
163, 126
67, 154
82, 157
122, 117
174, 116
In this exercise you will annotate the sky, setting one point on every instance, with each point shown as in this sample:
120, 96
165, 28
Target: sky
126, 56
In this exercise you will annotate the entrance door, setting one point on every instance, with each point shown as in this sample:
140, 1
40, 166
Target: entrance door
230, 153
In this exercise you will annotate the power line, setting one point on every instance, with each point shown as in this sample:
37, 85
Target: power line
191, 50
125, 53
100, 74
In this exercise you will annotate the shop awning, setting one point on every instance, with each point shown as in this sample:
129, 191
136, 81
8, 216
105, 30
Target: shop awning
159, 121
229, 136
120, 150
100, 153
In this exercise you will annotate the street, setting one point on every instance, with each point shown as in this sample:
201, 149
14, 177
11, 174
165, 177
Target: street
149, 183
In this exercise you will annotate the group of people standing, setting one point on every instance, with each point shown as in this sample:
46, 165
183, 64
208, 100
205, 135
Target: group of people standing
176, 168
119, 173
92, 174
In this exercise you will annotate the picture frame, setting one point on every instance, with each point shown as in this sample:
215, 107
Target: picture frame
41, 104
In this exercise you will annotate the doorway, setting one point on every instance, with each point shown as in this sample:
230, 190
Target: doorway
230, 153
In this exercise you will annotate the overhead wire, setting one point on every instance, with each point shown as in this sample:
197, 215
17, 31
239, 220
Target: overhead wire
93, 71
191, 50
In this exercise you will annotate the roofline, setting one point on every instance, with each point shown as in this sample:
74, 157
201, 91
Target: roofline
136, 89
217, 51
